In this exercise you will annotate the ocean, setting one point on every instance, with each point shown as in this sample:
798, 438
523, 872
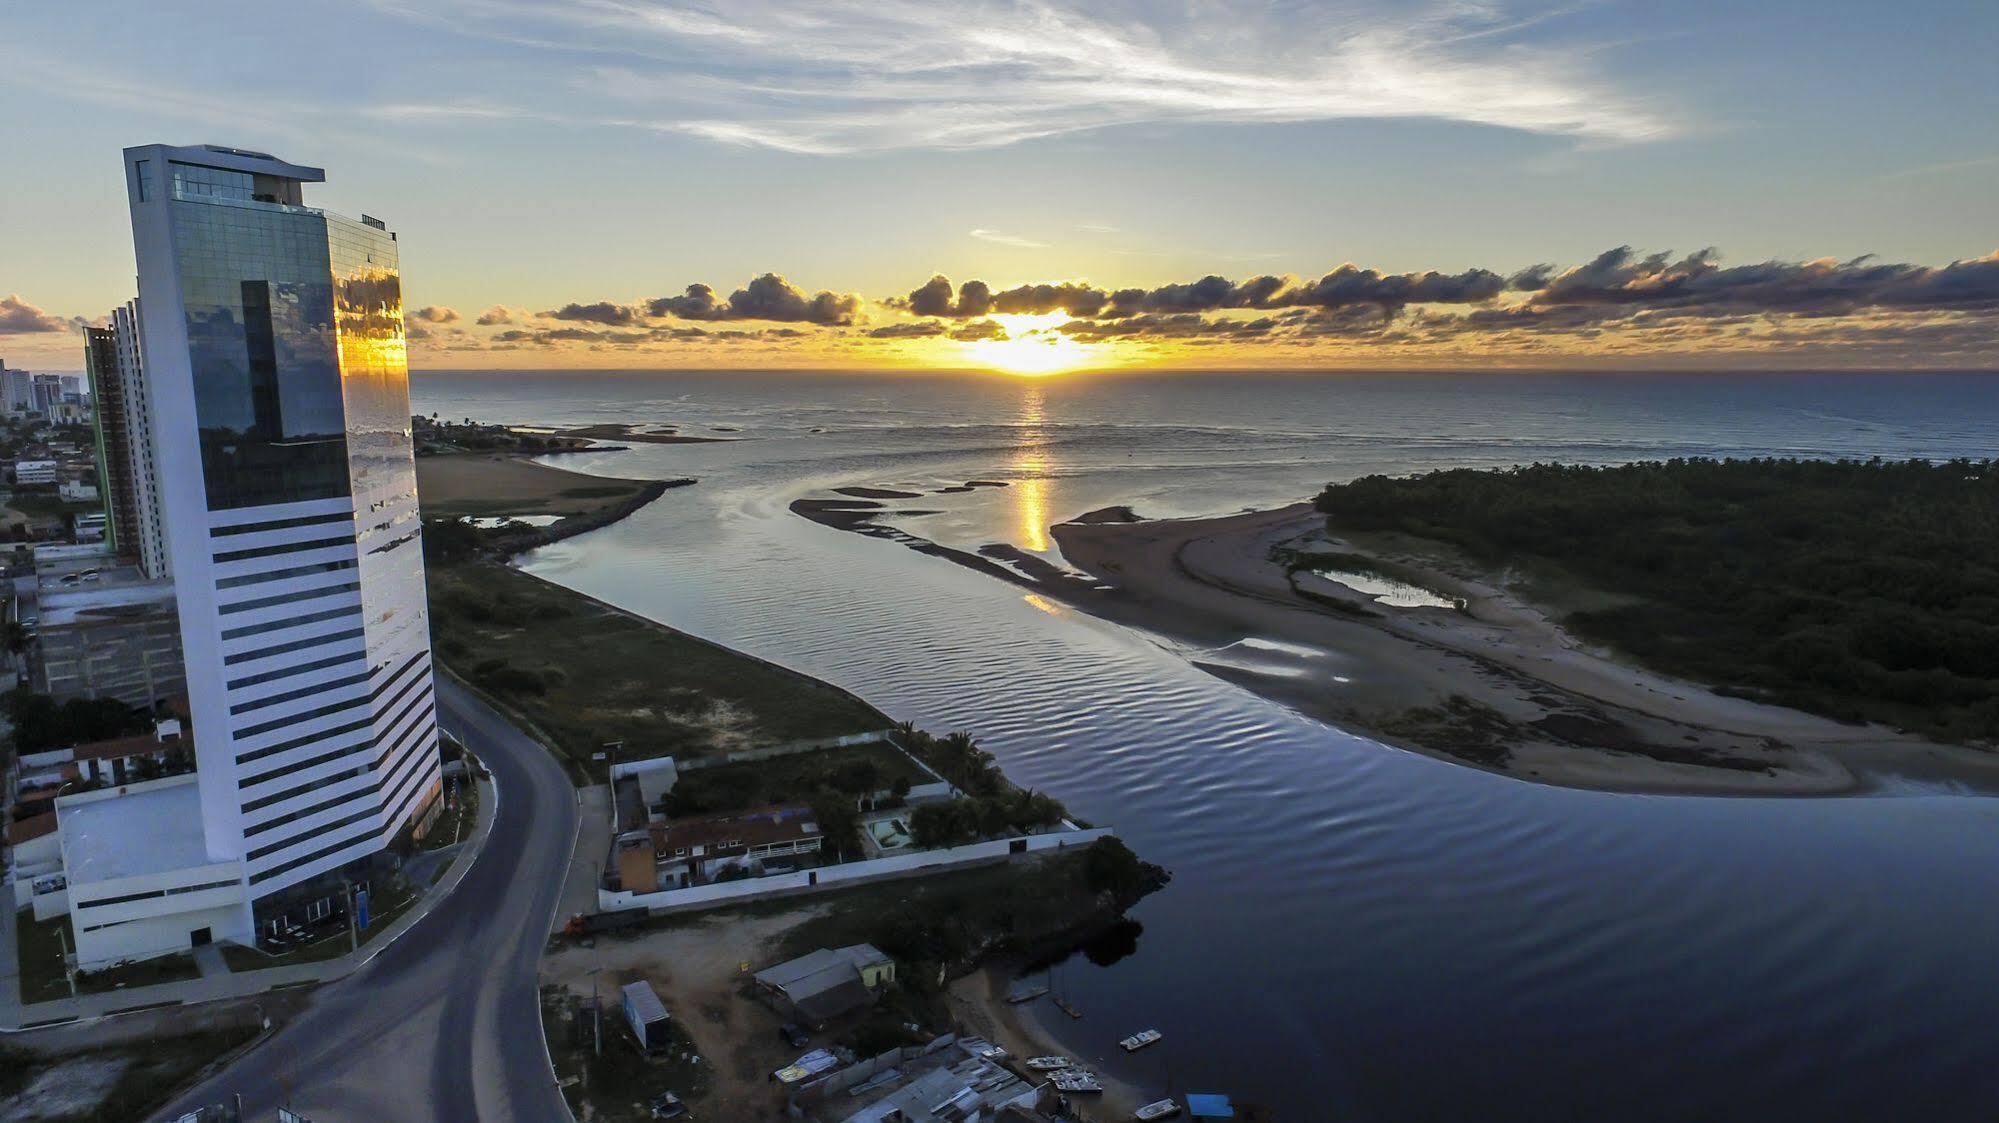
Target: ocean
1353, 932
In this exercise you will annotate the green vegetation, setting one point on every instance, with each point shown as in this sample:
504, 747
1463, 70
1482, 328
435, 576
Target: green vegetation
1863, 590
981, 816
956, 920
39, 948
852, 770
958, 758
174, 968
586, 674
616, 1086
41, 723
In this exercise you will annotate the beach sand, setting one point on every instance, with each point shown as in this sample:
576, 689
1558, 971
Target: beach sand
978, 1002
477, 484
1563, 712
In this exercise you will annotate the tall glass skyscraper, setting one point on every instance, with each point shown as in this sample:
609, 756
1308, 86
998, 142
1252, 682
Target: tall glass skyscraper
278, 396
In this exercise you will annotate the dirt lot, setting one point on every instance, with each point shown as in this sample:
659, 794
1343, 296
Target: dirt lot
697, 968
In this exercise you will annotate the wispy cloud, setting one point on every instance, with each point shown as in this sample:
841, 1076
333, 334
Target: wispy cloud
1001, 238
845, 76
1944, 168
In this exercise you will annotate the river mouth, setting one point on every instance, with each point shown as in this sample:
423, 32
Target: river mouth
1352, 931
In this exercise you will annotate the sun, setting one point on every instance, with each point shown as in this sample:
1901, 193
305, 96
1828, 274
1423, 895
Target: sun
1033, 347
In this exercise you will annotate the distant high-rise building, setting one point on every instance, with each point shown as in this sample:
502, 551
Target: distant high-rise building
276, 378
148, 527
114, 442
17, 389
45, 394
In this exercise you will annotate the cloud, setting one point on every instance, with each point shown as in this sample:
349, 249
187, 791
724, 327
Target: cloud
1005, 239
1622, 277
848, 76
602, 312
915, 330
435, 314
769, 297
498, 314
18, 317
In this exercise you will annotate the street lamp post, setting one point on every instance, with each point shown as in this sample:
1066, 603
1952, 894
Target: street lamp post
353, 928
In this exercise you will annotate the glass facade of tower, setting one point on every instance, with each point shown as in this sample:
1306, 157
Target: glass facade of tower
255, 279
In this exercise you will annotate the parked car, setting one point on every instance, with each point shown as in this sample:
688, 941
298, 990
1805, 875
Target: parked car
794, 1035
666, 1105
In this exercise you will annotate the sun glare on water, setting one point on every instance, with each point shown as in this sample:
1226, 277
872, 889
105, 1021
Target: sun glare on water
1033, 348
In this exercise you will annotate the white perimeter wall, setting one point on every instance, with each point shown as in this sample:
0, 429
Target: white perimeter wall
848, 873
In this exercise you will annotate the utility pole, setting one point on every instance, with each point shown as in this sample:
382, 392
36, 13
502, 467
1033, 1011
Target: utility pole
68, 970
353, 929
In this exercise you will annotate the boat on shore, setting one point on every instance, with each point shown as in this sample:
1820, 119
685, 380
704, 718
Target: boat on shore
1158, 1109
1077, 1080
1028, 994
1048, 1064
1140, 1040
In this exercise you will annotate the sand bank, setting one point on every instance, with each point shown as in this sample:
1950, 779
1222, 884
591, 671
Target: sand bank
478, 484
1494, 682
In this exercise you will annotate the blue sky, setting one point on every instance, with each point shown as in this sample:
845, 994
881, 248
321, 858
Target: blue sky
537, 153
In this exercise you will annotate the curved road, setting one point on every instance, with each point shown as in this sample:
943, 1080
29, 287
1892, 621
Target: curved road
444, 1023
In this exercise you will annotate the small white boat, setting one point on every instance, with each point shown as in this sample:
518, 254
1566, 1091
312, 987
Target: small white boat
1076, 1080
1048, 1064
1158, 1109
1140, 1040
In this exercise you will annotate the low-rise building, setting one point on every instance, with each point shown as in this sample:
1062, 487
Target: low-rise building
34, 472
123, 760
103, 630
820, 986
695, 851
140, 880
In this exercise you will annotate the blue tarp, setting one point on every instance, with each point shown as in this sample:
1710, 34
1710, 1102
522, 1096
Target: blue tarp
1202, 1106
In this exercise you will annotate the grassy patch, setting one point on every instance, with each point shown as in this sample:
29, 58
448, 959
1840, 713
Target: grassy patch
40, 951
852, 769
617, 1085
174, 968
154, 1070
586, 674
454, 824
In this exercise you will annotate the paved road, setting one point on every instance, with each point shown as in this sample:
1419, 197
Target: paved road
445, 1023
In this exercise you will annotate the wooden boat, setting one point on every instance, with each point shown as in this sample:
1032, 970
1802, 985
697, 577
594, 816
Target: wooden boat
1158, 1109
1077, 1080
1048, 1064
1066, 1007
1140, 1040
1015, 998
